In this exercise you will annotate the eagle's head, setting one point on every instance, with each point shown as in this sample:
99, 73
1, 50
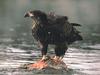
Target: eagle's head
36, 14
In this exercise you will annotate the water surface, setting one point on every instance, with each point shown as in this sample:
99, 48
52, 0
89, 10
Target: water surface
80, 61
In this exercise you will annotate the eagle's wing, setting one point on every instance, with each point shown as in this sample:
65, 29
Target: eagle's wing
68, 29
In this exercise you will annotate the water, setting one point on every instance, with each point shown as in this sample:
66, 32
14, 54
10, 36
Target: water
80, 61
17, 45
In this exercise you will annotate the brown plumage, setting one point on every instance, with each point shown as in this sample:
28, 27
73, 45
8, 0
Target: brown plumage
53, 29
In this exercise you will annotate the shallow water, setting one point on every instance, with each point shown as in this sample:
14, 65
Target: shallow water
80, 61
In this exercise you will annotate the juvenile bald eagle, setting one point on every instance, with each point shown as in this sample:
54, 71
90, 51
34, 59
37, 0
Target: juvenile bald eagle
53, 29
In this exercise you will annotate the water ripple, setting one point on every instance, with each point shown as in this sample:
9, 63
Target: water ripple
83, 62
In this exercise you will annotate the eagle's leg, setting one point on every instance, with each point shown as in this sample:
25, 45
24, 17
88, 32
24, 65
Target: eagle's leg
44, 51
41, 63
60, 50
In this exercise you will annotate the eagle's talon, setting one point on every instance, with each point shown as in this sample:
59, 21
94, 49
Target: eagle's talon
45, 58
57, 60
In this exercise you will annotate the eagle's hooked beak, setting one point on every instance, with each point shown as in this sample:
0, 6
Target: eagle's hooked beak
28, 15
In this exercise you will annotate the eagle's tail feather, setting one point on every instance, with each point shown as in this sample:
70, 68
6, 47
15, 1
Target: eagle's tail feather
75, 24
